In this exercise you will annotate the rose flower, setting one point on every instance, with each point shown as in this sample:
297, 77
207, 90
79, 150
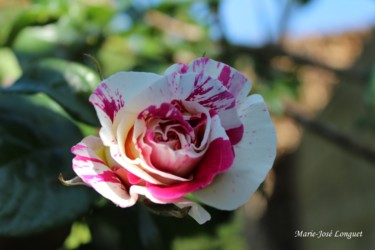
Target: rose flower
192, 131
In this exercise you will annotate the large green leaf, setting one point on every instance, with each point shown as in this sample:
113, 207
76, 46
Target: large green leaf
9, 66
35, 144
37, 15
68, 83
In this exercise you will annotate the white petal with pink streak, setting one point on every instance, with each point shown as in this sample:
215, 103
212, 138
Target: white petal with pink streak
190, 87
113, 94
232, 79
93, 170
254, 157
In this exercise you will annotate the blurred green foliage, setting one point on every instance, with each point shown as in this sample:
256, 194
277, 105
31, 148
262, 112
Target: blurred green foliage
46, 78
47, 72
35, 142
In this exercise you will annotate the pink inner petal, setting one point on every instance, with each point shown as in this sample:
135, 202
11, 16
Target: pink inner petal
167, 142
180, 162
218, 158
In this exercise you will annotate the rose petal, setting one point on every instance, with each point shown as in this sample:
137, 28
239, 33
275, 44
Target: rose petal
180, 68
199, 88
234, 81
209, 92
161, 176
113, 94
160, 156
255, 155
94, 171
135, 167
217, 159
140, 166
165, 89
232, 123
197, 212
194, 88
179, 163
121, 151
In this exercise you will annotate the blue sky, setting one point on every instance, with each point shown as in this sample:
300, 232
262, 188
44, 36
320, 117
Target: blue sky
255, 22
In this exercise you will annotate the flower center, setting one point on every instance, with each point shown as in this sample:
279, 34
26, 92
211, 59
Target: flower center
174, 136
171, 139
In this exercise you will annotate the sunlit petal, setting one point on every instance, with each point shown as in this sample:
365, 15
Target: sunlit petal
255, 155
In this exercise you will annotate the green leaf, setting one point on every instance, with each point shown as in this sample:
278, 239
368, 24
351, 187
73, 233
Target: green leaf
80, 234
36, 41
68, 83
35, 144
8, 15
9, 66
36, 15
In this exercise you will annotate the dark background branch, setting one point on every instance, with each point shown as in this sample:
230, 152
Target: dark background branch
333, 135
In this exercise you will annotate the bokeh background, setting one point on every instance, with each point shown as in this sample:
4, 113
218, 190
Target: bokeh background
312, 60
